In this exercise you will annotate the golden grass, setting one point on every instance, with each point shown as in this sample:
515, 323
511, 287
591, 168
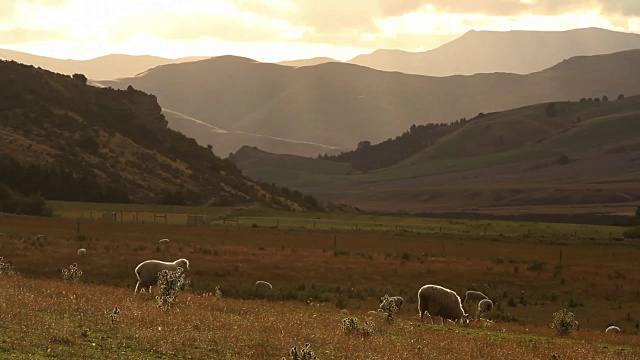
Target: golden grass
596, 275
48, 318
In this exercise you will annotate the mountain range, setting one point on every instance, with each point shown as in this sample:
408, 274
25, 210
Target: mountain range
519, 52
339, 105
105, 67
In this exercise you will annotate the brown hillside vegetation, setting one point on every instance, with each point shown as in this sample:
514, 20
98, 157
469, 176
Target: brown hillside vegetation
338, 104
60, 137
43, 316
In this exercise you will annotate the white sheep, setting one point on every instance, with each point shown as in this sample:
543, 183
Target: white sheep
438, 301
263, 284
612, 329
471, 298
480, 323
485, 305
82, 252
147, 271
397, 300
163, 241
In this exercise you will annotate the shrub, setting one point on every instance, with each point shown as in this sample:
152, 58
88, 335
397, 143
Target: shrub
71, 274
6, 268
169, 284
115, 315
563, 322
304, 354
388, 307
351, 326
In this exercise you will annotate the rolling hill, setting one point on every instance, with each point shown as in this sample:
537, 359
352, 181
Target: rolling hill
339, 105
67, 140
520, 52
582, 157
101, 68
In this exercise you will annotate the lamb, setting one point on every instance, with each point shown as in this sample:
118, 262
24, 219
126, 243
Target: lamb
471, 297
397, 300
441, 302
147, 271
484, 306
82, 252
263, 284
612, 329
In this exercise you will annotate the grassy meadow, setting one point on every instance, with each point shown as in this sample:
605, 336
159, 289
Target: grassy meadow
330, 261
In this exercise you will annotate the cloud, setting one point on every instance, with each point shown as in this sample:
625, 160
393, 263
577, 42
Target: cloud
21, 35
622, 7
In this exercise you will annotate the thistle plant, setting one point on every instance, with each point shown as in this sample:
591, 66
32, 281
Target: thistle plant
388, 307
351, 326
6, 268
304, 354
217, 293
563, 322
72, 274
169, 284
115, 315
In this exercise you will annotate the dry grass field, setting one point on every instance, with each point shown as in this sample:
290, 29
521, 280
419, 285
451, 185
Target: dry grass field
528, 275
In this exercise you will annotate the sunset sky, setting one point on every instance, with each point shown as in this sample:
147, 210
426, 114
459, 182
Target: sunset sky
274, 30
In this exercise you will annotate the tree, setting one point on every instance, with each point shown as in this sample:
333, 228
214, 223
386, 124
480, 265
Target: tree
80, 78
605, 98
620, 96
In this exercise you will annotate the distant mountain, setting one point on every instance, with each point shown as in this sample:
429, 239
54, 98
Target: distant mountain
224, 142
70, 141
101, 68
564, 157
307, 62
340, 105
519, 52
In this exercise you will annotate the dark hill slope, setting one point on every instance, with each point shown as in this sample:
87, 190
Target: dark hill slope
71, 141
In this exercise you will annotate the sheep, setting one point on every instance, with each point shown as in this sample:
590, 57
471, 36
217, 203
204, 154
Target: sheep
147, 271
471, 297
441, 302
263, 284
82, 252
612, 329
397, 300
484, 306
163, 241
481, 322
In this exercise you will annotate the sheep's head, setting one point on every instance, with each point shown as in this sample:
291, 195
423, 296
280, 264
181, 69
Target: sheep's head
183, 263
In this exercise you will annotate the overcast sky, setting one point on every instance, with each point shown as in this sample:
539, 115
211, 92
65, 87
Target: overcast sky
273, 30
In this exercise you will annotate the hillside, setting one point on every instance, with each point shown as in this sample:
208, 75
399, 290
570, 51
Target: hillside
520, 52
101, 68
581, 157
340, 105
70, 141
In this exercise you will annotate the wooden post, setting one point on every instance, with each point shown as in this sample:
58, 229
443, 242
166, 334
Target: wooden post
560, 256
440, 228
121, 217
335, 237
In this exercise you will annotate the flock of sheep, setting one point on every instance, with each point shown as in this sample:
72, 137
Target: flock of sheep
433, 301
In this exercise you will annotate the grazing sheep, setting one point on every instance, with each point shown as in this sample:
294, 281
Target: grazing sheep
397, 300
441, 302
82, 252
374, 313
480, 323
612, 329
147, 271
471, 298
484, 306
163, 241
263, 284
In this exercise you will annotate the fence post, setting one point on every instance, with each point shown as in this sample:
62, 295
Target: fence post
335, 237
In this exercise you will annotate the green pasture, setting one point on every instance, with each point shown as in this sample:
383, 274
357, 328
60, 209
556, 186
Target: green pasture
327, 222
